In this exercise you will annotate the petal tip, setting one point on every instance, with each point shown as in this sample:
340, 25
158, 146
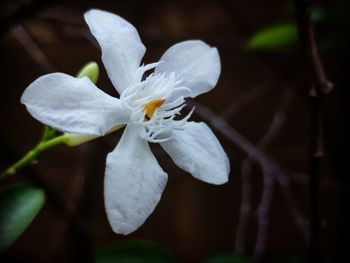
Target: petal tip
121, 230
93, 10
221, 181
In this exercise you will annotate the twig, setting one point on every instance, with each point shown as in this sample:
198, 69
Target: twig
263, 219
73, 221
70, 215
23, 10
52, 194
244, 100
277, 123
266, 164
246, 206
65, 15
32, 48
321, 86
30, 156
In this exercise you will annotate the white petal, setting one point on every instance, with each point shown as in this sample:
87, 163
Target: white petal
195, 62
133, 183
73, 105
196, 150
122, 49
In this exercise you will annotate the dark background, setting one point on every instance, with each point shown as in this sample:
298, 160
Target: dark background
258, 94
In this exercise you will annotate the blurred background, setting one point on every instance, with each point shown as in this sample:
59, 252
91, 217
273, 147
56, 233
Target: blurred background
261, 100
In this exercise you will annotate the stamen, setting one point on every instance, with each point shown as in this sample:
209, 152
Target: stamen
155, 102
150, 107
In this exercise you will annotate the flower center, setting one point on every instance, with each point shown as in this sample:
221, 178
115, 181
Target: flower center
150, 107
154, 104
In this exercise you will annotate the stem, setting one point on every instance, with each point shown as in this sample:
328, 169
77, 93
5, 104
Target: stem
30, 156
320, 87
266, 164
315, 157
46, 143
321, 84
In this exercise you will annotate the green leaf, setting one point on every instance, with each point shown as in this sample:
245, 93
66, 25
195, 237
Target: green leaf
18, 207
90, 70
274, 38
135, 251
226, 258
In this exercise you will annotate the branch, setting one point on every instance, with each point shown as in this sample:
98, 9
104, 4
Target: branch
277, 123
245, 99
263, 217
22, 11
31, 156
71, 219
32, 48
246, 207
320, 87
267, 165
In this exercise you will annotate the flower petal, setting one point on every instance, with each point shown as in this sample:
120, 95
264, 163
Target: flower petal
195, 62
122, 49
133, 183
196, 150
73, 105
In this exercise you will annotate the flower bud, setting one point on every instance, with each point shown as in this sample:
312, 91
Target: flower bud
72, 139
90, 70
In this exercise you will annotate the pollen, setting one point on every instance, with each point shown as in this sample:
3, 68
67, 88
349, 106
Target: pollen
150, 107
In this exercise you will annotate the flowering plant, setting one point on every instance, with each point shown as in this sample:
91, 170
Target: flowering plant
148, 106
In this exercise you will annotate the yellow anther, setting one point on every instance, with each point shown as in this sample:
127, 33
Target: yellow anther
150, 107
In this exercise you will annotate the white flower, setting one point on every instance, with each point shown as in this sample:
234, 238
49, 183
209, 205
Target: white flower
134, 181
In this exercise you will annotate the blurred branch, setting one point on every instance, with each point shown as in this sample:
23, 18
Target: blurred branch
64, 15
263, 217
246, 205
70, 218
51, 192
308, 42
245, 99
32, 48
320, 87
22, 11
73, 221
30, 157
268, 166
277, 123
